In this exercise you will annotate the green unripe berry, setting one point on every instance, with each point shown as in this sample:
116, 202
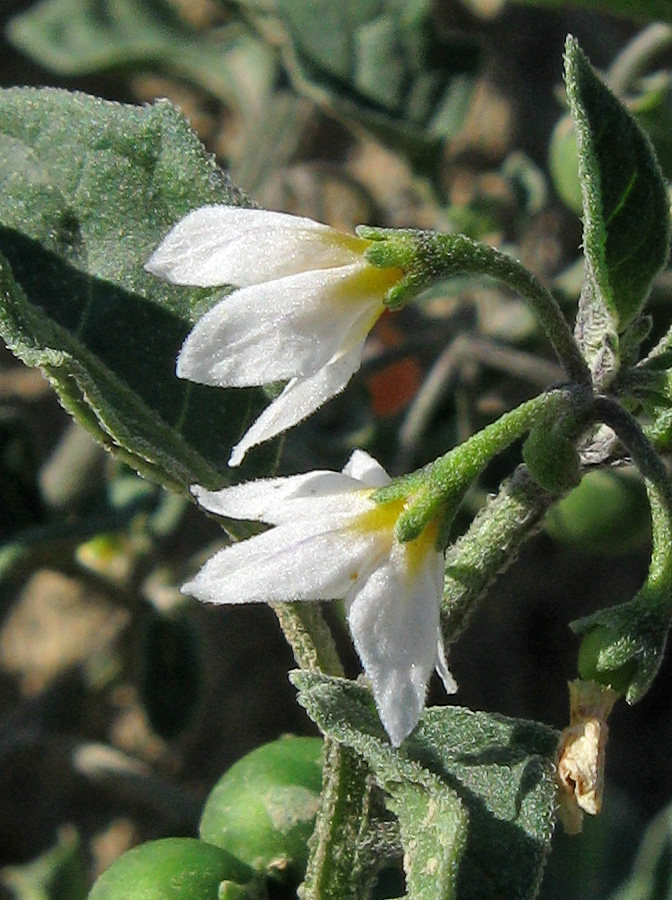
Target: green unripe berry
607, 513
173, 869
263, 808
563, 164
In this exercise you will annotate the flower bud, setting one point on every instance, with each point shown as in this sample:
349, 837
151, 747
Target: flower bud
552, 458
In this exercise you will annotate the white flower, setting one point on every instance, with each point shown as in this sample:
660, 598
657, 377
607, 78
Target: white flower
308, 299
332, 541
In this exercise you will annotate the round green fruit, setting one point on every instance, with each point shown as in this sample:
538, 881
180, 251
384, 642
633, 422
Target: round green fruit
607, 513
170, 869
263, 808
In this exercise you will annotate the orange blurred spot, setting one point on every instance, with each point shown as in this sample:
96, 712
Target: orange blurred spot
394, 386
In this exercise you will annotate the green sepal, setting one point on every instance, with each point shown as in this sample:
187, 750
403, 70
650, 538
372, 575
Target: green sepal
626, 221
624, 646
489, 777
401, 487
434, 499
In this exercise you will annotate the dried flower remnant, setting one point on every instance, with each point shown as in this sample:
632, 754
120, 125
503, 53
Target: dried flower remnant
581, 753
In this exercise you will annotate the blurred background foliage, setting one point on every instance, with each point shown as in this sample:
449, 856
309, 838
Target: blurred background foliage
122, 702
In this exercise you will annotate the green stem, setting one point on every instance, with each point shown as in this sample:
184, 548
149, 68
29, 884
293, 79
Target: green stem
309, 636
445, 482
657, 590
489, 546
514, 275
427, 257
337, 867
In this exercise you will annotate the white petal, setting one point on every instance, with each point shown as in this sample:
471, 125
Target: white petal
279, 330
394, 620
299, 399
444, 672
366, 469
311, 560
218, 245
276, 500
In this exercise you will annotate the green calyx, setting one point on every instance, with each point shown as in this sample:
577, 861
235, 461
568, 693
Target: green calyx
623, 646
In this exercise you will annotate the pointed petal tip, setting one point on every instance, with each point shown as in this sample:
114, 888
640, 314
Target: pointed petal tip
397, 727
238, 453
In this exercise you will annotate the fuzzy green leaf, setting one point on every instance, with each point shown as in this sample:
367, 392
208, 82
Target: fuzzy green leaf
381, 63
79, 36
75, 37
88, 189
489, 788
626, 222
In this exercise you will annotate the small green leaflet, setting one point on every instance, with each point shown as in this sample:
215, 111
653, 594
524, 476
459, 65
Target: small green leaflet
626, 222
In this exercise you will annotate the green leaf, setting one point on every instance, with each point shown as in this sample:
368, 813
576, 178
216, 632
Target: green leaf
642, 10
76, 37
381, 62
434, 828
490, 778
626, 222
88, 189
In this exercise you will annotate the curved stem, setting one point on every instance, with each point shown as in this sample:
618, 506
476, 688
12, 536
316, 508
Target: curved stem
427, 257
658, 587
495, 264
443, 484
308, 635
